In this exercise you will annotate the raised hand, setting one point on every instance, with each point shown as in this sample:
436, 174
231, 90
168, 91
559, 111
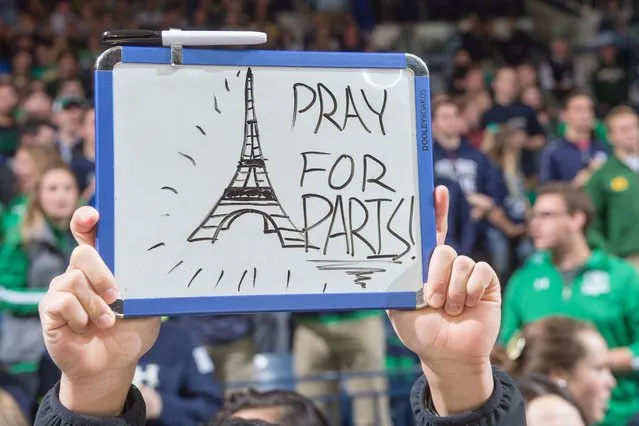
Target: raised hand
96, 353
455, 334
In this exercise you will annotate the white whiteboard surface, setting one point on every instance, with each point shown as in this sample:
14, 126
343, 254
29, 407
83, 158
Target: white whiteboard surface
179, 134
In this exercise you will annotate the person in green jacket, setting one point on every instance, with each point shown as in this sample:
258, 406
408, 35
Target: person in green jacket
33, 254
566, 278
614, 189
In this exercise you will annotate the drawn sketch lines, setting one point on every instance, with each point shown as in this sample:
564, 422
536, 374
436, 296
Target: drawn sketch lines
250, 190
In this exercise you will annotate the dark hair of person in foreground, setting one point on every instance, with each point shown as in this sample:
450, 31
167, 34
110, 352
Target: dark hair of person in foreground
234, 421
284, 408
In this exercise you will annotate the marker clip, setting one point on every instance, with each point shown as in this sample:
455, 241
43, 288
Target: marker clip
176, 52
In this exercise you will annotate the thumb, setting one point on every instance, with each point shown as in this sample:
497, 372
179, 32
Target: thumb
84, 224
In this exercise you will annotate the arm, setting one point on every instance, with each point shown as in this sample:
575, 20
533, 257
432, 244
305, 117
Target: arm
535, 142
14, 295
498, 218
495, 187
596, 231
53, 412
199, 397
495, 401
468, 228
582, 178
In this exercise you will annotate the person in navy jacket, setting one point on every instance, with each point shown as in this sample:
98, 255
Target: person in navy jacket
455, 159
575, 157
16, 390
480, 181
462, 230
176, 381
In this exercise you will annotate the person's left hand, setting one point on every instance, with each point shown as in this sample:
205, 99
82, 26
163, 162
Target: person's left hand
153, 402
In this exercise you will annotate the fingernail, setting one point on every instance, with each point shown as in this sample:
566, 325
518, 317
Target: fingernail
110, 296
452, 308
436, 300
105, 320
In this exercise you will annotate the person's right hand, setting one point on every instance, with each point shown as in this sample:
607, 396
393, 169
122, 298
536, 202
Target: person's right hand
454, 336
582, 178
96, 353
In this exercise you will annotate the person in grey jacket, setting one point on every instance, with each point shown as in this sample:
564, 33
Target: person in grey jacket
453, 338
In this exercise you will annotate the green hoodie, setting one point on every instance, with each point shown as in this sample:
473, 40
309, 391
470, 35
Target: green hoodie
25, 273
604, 292
614, 189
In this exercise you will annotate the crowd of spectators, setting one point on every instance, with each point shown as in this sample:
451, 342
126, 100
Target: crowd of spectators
540, 166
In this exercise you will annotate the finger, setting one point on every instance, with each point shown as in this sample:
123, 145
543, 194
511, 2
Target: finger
441, 214
456, 296
86, 259
83, 225
63, 308
77, 284
439, 270
483, 284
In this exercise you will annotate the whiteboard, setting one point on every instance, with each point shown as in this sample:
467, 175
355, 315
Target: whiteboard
263, 181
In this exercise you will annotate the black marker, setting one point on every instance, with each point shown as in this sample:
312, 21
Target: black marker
183, 38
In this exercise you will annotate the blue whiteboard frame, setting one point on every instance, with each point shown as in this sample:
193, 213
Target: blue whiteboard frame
105, 193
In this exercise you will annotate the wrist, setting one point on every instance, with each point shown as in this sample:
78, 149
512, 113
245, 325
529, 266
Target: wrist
103, 395
457, 387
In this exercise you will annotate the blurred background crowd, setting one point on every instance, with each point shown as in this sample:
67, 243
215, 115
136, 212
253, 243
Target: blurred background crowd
535, 134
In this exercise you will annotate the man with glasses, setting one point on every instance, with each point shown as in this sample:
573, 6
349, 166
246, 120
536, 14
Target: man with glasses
566, 278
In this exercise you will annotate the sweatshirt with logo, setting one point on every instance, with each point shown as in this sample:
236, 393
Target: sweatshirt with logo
613, 189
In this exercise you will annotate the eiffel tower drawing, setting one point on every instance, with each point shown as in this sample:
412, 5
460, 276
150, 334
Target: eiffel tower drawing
250, 190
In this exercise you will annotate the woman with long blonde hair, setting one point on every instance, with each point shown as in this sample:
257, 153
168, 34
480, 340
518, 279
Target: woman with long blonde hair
33, 254
28, 165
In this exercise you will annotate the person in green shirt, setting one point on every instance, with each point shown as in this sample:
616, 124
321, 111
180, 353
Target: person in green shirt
566, 278
33, 254
614, 189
